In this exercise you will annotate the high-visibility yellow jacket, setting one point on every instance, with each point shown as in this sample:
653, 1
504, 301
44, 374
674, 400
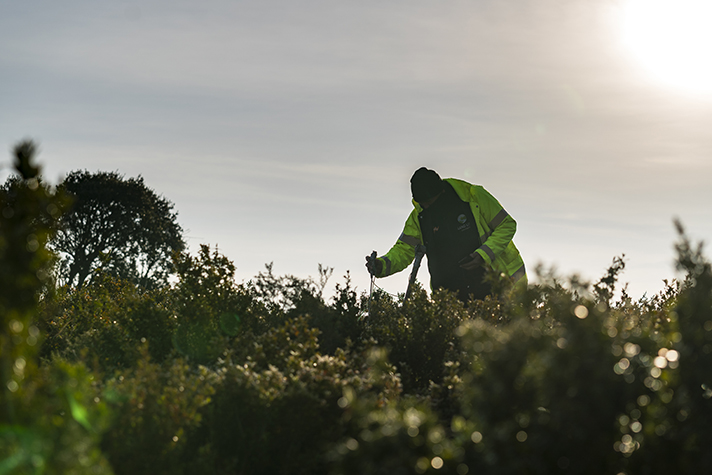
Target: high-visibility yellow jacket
495, 226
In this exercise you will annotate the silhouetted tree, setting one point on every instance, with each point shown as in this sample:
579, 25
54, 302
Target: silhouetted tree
119, 225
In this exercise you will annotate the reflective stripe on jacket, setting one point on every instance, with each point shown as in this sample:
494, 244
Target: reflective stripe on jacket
495, 226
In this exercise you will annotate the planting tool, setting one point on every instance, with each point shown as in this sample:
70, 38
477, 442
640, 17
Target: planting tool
419, 253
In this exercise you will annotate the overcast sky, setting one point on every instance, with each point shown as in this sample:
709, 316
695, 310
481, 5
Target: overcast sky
287, 131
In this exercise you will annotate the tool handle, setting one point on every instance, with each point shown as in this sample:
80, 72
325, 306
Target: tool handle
419, 253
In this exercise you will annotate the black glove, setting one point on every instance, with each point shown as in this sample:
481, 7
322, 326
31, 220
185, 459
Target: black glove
374, 266
472, 261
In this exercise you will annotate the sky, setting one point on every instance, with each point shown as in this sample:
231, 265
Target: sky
287, 132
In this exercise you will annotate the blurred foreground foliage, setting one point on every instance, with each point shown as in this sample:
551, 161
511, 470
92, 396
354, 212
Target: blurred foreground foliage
211, 376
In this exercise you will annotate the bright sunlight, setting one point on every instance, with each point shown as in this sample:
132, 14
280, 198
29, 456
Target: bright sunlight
672, 39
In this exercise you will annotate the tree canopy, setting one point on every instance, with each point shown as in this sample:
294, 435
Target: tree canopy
116, 224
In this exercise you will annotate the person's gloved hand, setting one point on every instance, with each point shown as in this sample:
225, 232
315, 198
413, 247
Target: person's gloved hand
472, 261
374, 266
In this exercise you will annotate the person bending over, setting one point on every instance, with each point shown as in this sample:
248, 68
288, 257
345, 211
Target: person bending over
463, 228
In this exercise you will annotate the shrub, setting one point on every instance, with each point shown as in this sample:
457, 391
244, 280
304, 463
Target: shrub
279, 411
104, 322
156, 407
674, 435
49, 420
419, 334
210, 307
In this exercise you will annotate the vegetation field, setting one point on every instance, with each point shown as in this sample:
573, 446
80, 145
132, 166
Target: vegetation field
129, 365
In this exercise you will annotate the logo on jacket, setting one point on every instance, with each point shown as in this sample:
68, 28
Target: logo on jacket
464, 224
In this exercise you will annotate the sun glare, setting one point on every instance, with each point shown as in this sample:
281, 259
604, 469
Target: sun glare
672, 39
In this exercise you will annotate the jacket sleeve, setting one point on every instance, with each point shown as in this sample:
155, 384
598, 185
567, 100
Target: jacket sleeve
403, 251
498, 226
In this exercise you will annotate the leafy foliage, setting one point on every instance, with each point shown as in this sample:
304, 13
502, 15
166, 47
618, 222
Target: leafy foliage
156, 407
208, 375
49, 420
103, 322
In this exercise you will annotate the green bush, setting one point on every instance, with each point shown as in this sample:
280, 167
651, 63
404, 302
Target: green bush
278, 411
394, 437
674, 434
103, 323
210, 307
419, 334
58, 426
156, 406
273, 408
51, 420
